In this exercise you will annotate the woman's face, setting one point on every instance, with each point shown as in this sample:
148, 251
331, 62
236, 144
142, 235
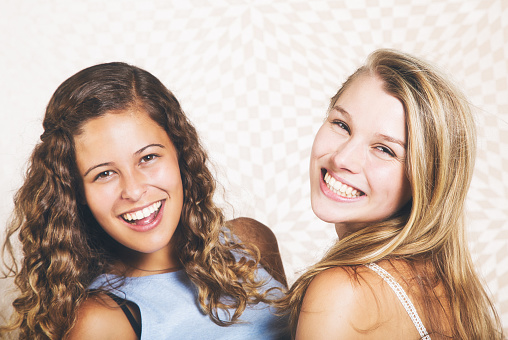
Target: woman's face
357, 169
131, 179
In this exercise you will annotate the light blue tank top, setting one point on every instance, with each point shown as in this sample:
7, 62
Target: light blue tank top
169, 309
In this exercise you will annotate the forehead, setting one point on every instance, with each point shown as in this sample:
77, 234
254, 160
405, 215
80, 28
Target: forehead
117, 120
116, 132
365, 100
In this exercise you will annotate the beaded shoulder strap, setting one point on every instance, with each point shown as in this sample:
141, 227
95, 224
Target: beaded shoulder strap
404, 299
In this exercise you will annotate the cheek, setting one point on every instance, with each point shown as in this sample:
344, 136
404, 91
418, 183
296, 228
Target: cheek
99, 200
97, 206
321, 146
327, 141
167, 177
315, 154
395, 185
384, 176
321, 143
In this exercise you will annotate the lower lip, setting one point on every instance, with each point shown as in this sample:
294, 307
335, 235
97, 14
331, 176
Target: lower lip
333, 196
149, 226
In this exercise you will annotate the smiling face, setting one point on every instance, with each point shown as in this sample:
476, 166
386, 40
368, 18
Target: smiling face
131, 181
357, 169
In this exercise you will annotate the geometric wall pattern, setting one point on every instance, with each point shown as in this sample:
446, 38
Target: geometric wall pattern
255, 77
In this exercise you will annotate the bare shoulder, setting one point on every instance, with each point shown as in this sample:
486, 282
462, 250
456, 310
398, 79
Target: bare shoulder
334, 294
99, 317
341, 303
251, 231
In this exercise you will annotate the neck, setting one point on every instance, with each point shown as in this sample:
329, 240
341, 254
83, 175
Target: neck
344, 229
135, 271
136, 263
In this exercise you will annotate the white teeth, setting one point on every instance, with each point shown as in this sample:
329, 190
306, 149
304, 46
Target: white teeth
140, 214
340, 188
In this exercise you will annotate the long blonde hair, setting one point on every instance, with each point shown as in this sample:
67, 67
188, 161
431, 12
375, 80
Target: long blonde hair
65, 248
440, 159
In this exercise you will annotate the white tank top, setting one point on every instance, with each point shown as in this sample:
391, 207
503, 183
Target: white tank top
404, 299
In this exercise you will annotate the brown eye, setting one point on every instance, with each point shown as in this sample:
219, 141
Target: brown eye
148, 158
104, 174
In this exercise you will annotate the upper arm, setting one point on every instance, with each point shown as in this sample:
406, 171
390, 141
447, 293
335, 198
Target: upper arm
329, 307
99, 317
251, 231
337, 306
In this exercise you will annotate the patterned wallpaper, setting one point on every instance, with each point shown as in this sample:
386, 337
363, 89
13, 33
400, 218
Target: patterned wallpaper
255, 77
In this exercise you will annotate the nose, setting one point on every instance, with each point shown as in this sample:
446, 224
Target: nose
349, 156
133, 186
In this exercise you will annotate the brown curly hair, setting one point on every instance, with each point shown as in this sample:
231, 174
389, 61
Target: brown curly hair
65, 249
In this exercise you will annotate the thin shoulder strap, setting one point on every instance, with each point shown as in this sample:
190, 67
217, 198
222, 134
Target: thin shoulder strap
404, 299
122, 303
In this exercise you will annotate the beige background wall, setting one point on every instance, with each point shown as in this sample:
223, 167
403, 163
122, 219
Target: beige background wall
255, 77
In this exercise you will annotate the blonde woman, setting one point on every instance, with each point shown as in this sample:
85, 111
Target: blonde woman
121, 238
391, 167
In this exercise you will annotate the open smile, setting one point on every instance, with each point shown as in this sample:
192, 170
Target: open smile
143, 216
340, 188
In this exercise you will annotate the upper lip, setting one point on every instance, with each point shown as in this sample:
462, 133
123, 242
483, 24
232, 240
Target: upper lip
139, 208
343, 181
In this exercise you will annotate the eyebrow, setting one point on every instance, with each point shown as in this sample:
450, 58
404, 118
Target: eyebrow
135, 153
341, 110
392, 140
383, 136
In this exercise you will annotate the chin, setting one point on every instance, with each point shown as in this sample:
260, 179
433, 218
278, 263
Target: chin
323, 214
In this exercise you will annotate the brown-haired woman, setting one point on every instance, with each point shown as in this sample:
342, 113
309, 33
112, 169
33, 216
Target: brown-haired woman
120, 235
